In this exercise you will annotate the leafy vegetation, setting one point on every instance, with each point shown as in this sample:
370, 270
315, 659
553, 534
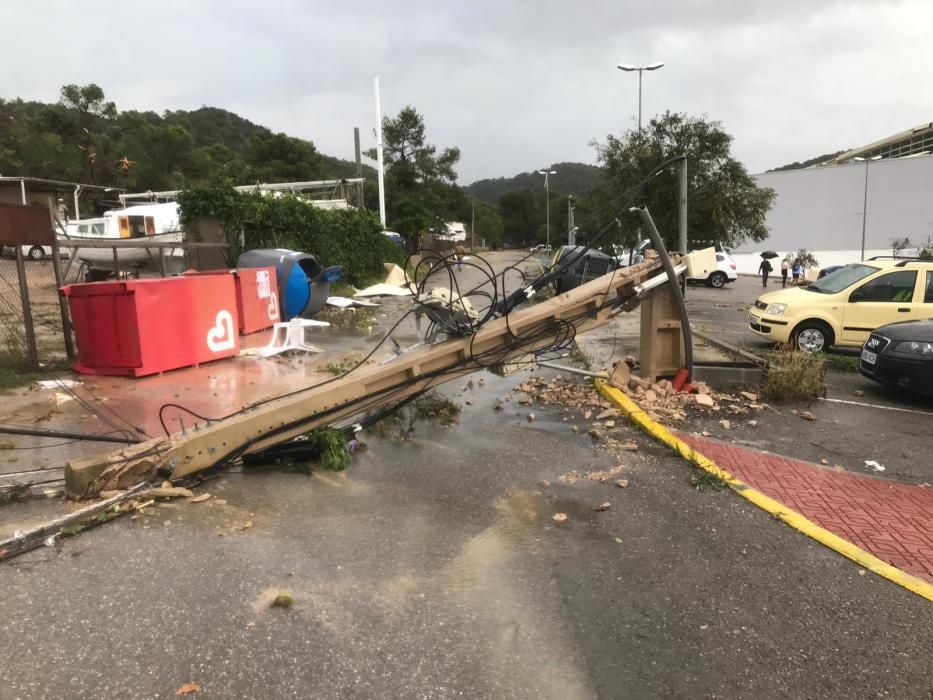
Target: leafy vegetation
810, 161
726, 205
794, 376
350, 238
806, 258
85, 138
331, 447
575, 179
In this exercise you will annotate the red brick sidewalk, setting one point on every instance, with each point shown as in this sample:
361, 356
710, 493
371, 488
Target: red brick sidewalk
890, 519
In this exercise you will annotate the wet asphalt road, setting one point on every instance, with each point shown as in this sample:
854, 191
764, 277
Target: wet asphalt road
432, 569
856, 423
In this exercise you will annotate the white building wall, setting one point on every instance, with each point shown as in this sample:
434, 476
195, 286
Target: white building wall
820, 209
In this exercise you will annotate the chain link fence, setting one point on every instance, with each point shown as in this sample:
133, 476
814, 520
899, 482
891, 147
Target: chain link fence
43, 316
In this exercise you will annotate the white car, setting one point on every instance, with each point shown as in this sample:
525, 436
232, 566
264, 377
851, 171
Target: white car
541, 248
33, 252
724, 272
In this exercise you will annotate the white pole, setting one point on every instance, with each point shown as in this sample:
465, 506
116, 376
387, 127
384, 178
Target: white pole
547, 197
77, 194
382, 191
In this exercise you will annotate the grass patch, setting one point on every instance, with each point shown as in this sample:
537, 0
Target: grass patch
399, 425
437, 407
338, 369
354, 320
841, 363
703, 480
581, 358
794, 376
14, 372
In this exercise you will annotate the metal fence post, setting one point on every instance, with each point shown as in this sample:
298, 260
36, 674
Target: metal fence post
32, 355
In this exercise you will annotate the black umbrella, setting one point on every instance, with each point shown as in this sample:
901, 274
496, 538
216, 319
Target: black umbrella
768, 254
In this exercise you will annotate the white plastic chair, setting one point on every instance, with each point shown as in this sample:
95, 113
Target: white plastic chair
290, 335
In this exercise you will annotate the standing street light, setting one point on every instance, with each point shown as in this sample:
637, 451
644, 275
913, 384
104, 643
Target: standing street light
628, 68
859, 159
547, 203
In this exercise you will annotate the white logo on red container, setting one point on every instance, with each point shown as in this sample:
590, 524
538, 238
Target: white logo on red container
222, 336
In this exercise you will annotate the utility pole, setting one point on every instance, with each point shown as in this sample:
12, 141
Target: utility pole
547, 197
359, 165
682, 205
382, 188
473, 223
570, 232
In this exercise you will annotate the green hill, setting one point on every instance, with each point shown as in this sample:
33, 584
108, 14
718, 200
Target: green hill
84, 138
571, 178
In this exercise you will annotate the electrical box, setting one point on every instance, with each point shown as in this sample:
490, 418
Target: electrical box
700, 263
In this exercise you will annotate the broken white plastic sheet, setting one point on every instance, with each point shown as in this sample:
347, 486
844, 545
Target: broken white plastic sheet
345, 303
383, 290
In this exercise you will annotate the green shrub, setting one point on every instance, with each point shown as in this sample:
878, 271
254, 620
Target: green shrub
350, 238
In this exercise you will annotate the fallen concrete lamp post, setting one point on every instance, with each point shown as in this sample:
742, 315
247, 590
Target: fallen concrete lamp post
373, 386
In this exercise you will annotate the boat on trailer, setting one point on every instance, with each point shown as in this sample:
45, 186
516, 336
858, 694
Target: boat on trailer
116, 241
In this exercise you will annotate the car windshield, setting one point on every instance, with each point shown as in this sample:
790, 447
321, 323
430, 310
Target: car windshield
841, 278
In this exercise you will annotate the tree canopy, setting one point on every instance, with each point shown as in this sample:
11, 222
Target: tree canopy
85, 138
421, 190
725, 203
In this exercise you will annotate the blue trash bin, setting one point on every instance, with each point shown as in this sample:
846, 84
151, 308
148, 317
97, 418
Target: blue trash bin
304, 284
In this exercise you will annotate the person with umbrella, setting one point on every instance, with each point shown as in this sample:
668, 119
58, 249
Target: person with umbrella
765, 268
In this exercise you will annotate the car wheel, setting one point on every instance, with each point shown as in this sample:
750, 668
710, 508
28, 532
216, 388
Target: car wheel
717, 279
813, 336
36, 253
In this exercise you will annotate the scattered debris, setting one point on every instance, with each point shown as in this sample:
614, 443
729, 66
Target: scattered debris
283, 599
200, 499
704, 400
748, 396
166, 490
574, 476
725, 424
559, 517
608, 413
544, 483
752, 424
622, 483
874, 465
858, 392
606, 505
824, 461
245, 526
594, 433
806, 415
189, 688
530, 417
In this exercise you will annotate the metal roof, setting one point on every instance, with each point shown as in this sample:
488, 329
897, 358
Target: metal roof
58, 184
900, 145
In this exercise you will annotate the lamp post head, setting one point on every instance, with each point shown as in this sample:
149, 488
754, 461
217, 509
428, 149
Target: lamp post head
628, 67
655, 65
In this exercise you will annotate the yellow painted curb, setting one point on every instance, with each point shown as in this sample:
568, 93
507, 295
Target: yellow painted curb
779, 510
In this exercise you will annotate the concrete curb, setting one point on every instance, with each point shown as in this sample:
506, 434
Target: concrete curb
794, 519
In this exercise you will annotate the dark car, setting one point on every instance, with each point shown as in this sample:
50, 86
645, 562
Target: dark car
585, 266
829, 270
900, 355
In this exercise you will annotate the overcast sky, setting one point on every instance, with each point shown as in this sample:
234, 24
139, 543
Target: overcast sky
516, 85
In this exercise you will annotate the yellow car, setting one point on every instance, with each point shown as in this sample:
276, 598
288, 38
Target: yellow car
846, 305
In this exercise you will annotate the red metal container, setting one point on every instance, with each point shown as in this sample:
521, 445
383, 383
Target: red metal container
141, 327
257, 297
